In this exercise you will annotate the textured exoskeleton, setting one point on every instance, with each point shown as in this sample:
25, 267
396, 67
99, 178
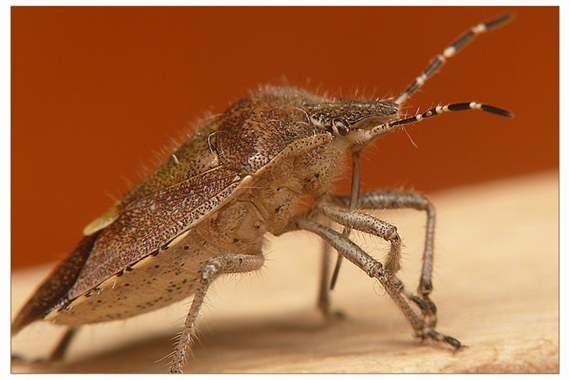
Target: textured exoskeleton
205, 210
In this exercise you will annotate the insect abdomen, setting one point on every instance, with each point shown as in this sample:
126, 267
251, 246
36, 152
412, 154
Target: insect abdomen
159, 279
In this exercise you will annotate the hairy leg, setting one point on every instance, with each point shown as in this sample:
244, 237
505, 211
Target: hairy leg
213, 269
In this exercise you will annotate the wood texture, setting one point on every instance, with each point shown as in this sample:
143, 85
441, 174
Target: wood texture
496, 287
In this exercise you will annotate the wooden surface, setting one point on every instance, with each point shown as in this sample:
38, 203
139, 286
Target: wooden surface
496, 288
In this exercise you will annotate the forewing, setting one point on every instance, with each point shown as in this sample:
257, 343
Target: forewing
151, 222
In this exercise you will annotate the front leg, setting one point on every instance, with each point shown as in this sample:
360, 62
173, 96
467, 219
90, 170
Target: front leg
381, 200
373, 226
351, 251
213, 269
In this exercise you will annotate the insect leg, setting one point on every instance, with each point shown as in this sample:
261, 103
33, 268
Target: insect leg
388, 232
354, 191
353, 253
59, 352
373, 226
324, 298
323, 302
214, 267
449, 52
380, 200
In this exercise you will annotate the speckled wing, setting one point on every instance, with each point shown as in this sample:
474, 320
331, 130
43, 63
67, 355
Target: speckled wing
149, 223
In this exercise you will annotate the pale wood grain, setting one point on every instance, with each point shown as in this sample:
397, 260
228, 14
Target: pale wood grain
496, 288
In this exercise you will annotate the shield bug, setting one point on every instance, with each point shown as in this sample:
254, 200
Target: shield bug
204, 211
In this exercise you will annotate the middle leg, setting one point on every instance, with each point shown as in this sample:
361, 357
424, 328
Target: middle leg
380, 200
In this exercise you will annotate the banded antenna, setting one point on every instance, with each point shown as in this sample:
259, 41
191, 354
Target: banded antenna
449, 52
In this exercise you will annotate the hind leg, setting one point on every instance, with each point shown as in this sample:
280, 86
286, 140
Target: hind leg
59, 351
213, 269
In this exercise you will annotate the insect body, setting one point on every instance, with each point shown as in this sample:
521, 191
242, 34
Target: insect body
205, 210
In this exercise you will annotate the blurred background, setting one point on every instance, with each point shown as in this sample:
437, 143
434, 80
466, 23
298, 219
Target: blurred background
96, 91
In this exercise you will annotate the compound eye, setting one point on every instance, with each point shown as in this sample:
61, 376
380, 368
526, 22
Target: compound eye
341, 126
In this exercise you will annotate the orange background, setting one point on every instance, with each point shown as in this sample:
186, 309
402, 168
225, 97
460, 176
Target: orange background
96, 90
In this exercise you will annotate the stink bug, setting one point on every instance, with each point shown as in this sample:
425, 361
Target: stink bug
204, 211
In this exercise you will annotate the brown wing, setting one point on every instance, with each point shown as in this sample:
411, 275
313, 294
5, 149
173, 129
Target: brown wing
55, 288
151, 222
